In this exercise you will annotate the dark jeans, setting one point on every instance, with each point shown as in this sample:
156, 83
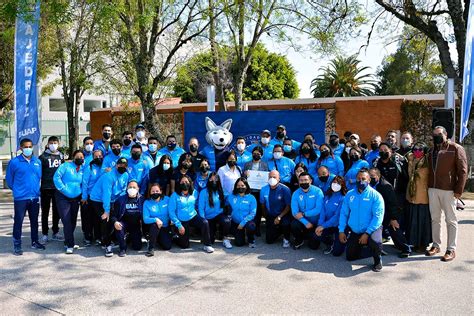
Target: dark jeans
199, 223
399, 239
105, 226
90, 222
68, 209
330, 237
161, 235
273, 232
20, 208
48, 198
300, 232
132, 225
354, 249
224, 225
239, 234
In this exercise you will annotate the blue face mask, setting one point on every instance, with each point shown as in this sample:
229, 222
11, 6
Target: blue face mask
27, 151
152, 147
287, 148
362, 185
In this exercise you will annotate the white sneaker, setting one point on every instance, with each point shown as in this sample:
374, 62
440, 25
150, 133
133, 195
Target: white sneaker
108, 251
226, 243
285, 244
44, 239
252, 244
69, 251
208, 249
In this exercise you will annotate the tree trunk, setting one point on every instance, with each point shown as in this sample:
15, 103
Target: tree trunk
238, 91
216, 62
151, 121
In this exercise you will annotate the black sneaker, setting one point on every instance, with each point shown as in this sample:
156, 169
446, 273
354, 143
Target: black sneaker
122, 253
36, 245
17, 251
150, 252
87, 243
328, 250
404, 254
377, 267
297, 246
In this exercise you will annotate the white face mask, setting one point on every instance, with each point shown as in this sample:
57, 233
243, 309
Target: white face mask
265, 140
348, 149
272, 182
336, 187
53, 147
89, 147
132, 192
140, 134
277, 155
241, 147
166, 166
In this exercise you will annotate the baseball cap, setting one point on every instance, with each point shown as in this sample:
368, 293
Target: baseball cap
121, 161
140, 125
281, 126
266, 131
334, 134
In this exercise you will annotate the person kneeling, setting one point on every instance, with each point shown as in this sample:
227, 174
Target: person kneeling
126, 217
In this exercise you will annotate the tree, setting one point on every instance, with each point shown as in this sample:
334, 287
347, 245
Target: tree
443, 22
412, 69
343, 77
270, 76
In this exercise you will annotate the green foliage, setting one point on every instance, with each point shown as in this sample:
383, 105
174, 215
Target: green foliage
416, 118
269, 76
343, 77
413, 69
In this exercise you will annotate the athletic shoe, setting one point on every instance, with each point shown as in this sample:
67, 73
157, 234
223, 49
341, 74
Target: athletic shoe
285, 243
150, 252
69, 251
36, 245
377, 267
122, 253
76, 247
208, 249
328, 250
17, 251
108, 251
87, 243
44, 239
252, 244
298, 246
98, 242
226, 243
404, 254
57, 237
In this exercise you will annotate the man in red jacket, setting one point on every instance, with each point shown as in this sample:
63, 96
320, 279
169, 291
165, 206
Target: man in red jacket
448, 173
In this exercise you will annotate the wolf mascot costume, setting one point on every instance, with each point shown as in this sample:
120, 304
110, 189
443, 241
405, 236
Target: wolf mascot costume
219, 138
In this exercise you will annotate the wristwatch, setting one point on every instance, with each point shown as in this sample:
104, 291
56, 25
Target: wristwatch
279, 218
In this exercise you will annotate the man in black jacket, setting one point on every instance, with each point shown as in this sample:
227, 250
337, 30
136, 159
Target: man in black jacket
50, 159
393, 212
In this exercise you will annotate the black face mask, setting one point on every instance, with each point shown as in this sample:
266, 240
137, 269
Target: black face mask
384, 155
256, 157
78, 161
97, 161
241, 190
155, 196
127, 142
305, 150
186, 166
304, 186
106, 135
172, 145
204, 169
116, 151
324, 153
280, 135
231, 163
136, 156
438, 139
355, 157
323, 178
373, 182
333, 142
184, 186
374, 146
193, 148
122, 170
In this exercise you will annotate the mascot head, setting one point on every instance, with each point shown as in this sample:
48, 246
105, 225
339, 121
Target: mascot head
218, 136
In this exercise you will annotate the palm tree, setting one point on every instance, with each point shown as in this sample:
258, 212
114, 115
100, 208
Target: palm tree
343, 78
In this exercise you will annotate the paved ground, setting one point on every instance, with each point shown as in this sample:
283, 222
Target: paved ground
265, 280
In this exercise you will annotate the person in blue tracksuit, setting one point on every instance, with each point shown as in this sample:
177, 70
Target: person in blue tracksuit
275, 199
90, 220
183, 214
88, 150
106, 191
335, 145
265, 144
324, 179
280, 136
24, 179
327, 230
184, 168
288, 150
307, 155
285, 166
373, 154
138, 167
243, 156
126, 216
361, 217
243, 207
115, 153
127, 141
152, 154
202, 175
211, 207
104, 143
68, 182
356, 164
172, 150
331, 161
306, 205
162, 174
156, 214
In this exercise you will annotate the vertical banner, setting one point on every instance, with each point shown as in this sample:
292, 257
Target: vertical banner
468, 76
26, 98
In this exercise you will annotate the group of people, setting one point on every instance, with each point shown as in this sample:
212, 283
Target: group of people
341, 193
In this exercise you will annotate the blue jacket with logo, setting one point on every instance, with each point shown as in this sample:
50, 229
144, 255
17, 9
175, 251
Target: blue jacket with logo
24, 178
267, 151
310, 203
110, 186
339, 150
88, 156
120, 206
138, 170
351, 174
324, 186
205, 209
329, 216
285, 167
68, 179
175, 154
99, 145
244, 208
243, 158
111, 160
153, 210
91, 174
311, 165
371, 156
153, 162
362, 212
182, 208
283, 195
335, 165
200, 183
